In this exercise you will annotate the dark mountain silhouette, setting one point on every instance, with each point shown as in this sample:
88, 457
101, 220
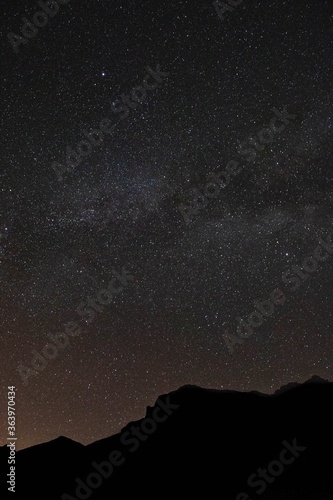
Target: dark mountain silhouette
313, 380
210, 442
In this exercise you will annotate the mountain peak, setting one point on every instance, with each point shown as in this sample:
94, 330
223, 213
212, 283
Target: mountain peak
315, 379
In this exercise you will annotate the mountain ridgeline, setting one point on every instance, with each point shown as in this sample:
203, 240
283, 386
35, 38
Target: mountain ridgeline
223, 444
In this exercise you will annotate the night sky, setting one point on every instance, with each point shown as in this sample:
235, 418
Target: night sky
130, 214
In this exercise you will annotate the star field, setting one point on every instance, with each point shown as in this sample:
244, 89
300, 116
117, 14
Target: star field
61, 240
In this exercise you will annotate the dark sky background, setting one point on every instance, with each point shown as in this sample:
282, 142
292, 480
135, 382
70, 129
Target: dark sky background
120, 207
